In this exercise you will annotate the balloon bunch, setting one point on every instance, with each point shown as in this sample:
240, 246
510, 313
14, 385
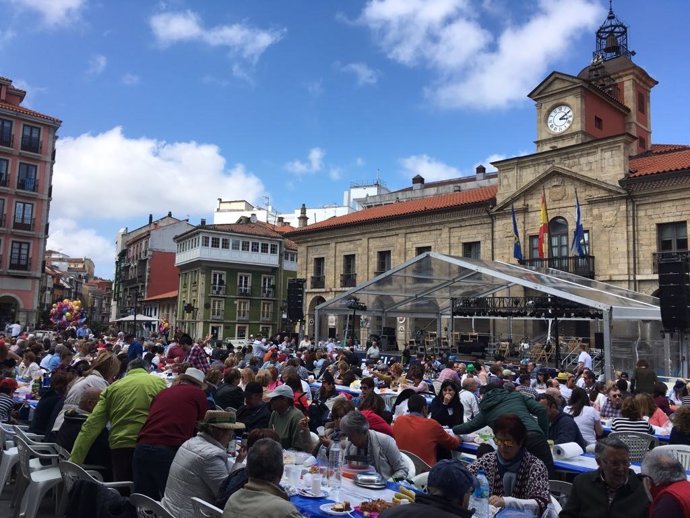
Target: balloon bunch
67, 312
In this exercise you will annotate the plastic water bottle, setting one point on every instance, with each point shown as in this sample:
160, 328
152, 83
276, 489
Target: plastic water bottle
322, 460
479, 501
334, 466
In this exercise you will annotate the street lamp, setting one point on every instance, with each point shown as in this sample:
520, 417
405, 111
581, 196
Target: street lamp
355, 305
135, 297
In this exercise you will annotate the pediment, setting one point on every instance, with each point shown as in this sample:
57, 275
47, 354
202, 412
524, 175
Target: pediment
554, 83
555, 180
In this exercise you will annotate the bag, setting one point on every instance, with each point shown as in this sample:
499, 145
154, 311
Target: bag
234, 482
318, 415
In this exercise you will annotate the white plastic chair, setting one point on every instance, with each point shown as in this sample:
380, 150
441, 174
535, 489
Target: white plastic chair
39, 481
411, 471
148, 508
72, 472
205, 510
420, 465
420, 481
679, 451
638, 443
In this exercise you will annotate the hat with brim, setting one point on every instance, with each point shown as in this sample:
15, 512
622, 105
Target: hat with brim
563, 376
282, 390
226, 419
194, 376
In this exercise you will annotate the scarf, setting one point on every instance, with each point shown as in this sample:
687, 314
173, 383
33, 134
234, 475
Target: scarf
508, 470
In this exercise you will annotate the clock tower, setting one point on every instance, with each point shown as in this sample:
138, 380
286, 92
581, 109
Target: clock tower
609, 97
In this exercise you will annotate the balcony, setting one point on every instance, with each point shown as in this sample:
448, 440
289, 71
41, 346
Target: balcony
244, 316
348, 280
31, 144
582, 266
218, 289
28, 184
24, 266
681, 255
318, 282
244, 290
6, 139
266, 318
4, 180
216, 317
23, 225
267, 293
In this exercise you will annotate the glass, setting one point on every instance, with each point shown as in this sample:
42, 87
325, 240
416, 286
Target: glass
506, 443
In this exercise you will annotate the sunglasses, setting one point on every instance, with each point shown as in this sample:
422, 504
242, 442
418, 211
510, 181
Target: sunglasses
506, 443
616, 396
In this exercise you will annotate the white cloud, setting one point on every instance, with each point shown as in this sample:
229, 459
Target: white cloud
335, 173
359, 161
53, 12
97, 65
75, 239
313, 164
240, 39
431, 169
471, 67
132, 177
130, 79
363, 73
6, 35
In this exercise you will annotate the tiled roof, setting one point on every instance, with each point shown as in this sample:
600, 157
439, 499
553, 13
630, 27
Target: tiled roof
406, 208
26, 111
252, 229
662, 158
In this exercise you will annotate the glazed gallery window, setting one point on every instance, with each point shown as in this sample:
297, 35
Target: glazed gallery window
31, 138
242, 310
672, 237
19, 255
26, 178
5, 133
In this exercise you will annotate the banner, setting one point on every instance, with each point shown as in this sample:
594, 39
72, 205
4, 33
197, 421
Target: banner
517, 249
543, 242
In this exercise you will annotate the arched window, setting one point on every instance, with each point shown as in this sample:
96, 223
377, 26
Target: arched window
558, 237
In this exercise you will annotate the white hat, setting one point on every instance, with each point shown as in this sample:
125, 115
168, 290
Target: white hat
194, 375
282, 390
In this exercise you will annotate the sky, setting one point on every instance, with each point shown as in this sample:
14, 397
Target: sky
170, 105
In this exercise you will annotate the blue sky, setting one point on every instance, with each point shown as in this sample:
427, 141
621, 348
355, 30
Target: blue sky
170, 105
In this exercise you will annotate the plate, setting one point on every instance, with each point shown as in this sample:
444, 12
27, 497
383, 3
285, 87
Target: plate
328, 509
309, 494
371, 486
372, 514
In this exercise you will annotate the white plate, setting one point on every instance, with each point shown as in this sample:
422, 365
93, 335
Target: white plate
309, 494
328, 509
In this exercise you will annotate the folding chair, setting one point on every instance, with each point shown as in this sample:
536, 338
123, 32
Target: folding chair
205, 510
148, 507
638, 443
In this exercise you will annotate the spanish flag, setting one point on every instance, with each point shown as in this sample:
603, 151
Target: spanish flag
543, 242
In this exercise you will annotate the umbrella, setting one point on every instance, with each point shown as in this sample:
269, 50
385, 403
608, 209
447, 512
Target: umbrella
139, 318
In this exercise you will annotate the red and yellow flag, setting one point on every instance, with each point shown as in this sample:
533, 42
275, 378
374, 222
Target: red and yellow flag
543, 242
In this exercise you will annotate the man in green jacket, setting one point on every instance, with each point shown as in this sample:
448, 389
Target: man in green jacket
125, 404
498, 401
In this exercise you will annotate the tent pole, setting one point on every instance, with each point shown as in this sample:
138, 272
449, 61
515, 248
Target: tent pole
317, 325
608, 368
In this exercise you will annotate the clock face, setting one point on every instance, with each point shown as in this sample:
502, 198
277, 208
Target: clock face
560, 119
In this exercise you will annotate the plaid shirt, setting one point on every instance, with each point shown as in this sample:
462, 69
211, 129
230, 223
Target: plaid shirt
527, 391
607, 410
197, 358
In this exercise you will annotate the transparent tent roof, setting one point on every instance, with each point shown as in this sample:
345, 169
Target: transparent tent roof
425, 286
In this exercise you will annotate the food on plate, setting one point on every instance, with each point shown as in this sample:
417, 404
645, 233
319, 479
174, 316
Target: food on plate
404, 494
375, 506
341, 507
314, 468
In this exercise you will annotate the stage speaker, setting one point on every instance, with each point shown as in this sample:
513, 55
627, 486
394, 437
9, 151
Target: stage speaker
674, 294
295, 309
598, 340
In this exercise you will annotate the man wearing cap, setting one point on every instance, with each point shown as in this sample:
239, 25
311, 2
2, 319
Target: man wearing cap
255, 413
449, 487
172, 420
201, 465
125, 405
285, 420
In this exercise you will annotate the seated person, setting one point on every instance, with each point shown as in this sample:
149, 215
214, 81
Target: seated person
446, 407
255, 413
261, 496
680, 433
7, 388
201, 464
416, 433
287, 421
517, 479
631, 419
379, 448
229, 394
449, 487
373, 407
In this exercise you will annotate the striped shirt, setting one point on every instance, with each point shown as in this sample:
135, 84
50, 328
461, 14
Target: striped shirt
6, 407
624, 424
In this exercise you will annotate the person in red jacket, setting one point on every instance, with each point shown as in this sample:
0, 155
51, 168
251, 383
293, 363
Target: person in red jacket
415, 433
665, 481
373, 407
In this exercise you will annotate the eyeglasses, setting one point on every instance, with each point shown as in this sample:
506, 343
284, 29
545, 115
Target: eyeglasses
616, 463
506, 443
616, 396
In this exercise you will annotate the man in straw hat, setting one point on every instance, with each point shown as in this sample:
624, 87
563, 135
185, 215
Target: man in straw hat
172, 420
201, 464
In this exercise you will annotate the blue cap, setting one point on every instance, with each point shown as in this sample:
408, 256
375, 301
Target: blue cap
452, 478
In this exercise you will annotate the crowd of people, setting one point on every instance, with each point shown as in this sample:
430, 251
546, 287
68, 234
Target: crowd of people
214, 421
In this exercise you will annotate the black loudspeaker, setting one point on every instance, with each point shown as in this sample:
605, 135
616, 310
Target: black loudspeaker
674, 294
598, 340
295, 300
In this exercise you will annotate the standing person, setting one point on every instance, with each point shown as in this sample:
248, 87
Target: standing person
666, 483
644, 378
125, 405
172, 420
470, 404
15, 329
197, 357
84, 332
373, 353
498, 401
584, 360
201, 464
611, 491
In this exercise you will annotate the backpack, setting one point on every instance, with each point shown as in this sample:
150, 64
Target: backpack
234, 482
318, 415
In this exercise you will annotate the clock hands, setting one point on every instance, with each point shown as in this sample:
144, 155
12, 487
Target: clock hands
564, 117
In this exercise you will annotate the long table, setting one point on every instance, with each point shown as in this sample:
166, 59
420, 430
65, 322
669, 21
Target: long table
387, 394
661, 437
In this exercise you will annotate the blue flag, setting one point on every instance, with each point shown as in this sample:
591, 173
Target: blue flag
577, 248
517, 249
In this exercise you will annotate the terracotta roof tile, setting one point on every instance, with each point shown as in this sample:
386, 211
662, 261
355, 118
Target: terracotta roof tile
253, 229
406, 208
26, 111
662, 158
161, 296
